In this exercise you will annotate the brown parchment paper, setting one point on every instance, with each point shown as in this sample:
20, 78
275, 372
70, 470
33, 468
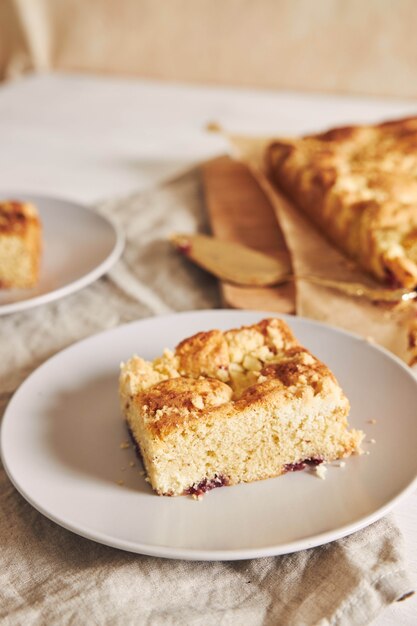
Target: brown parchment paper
312, 254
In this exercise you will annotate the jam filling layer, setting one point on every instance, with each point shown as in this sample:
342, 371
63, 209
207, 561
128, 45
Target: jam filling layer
296, 467
197, 489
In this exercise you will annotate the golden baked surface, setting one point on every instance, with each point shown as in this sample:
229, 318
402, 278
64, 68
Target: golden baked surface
359, 185
234, 406
16, 216
20, 244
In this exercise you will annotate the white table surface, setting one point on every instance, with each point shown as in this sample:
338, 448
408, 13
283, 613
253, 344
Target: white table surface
91, 138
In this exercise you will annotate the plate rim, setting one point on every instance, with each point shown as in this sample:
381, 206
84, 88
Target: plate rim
196, 554
79, 283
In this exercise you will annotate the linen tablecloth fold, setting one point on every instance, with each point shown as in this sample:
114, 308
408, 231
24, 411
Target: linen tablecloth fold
51, 576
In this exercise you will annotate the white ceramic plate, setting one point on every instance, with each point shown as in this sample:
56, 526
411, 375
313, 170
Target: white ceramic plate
79, 246
61, 435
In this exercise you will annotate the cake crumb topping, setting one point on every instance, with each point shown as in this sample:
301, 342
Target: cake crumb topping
214, 368
15, 215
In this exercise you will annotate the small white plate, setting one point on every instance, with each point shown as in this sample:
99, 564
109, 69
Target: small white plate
79, 246
62, 430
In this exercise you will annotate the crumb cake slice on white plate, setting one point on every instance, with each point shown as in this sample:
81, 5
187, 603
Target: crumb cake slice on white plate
20, 244
230, 407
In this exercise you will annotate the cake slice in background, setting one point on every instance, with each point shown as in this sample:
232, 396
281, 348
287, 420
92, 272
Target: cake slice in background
20, 244
235, 406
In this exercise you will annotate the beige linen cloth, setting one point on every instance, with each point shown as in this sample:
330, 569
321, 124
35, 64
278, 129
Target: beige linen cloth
50, 576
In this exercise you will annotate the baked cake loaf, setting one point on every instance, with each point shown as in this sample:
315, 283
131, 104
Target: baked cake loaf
230, 407
359, 185
20, 244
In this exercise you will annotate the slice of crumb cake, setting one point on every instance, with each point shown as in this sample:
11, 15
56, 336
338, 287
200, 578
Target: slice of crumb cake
236, 406
20, 244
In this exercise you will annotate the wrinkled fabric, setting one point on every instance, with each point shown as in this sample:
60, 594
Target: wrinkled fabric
49, 575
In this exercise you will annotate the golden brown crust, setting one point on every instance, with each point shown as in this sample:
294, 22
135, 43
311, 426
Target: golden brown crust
265, 365
298, 364
359, 185
15, 216
173, 401
412, 342
20, 244
203, 354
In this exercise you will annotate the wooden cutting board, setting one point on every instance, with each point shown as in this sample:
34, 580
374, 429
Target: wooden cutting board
239, 211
